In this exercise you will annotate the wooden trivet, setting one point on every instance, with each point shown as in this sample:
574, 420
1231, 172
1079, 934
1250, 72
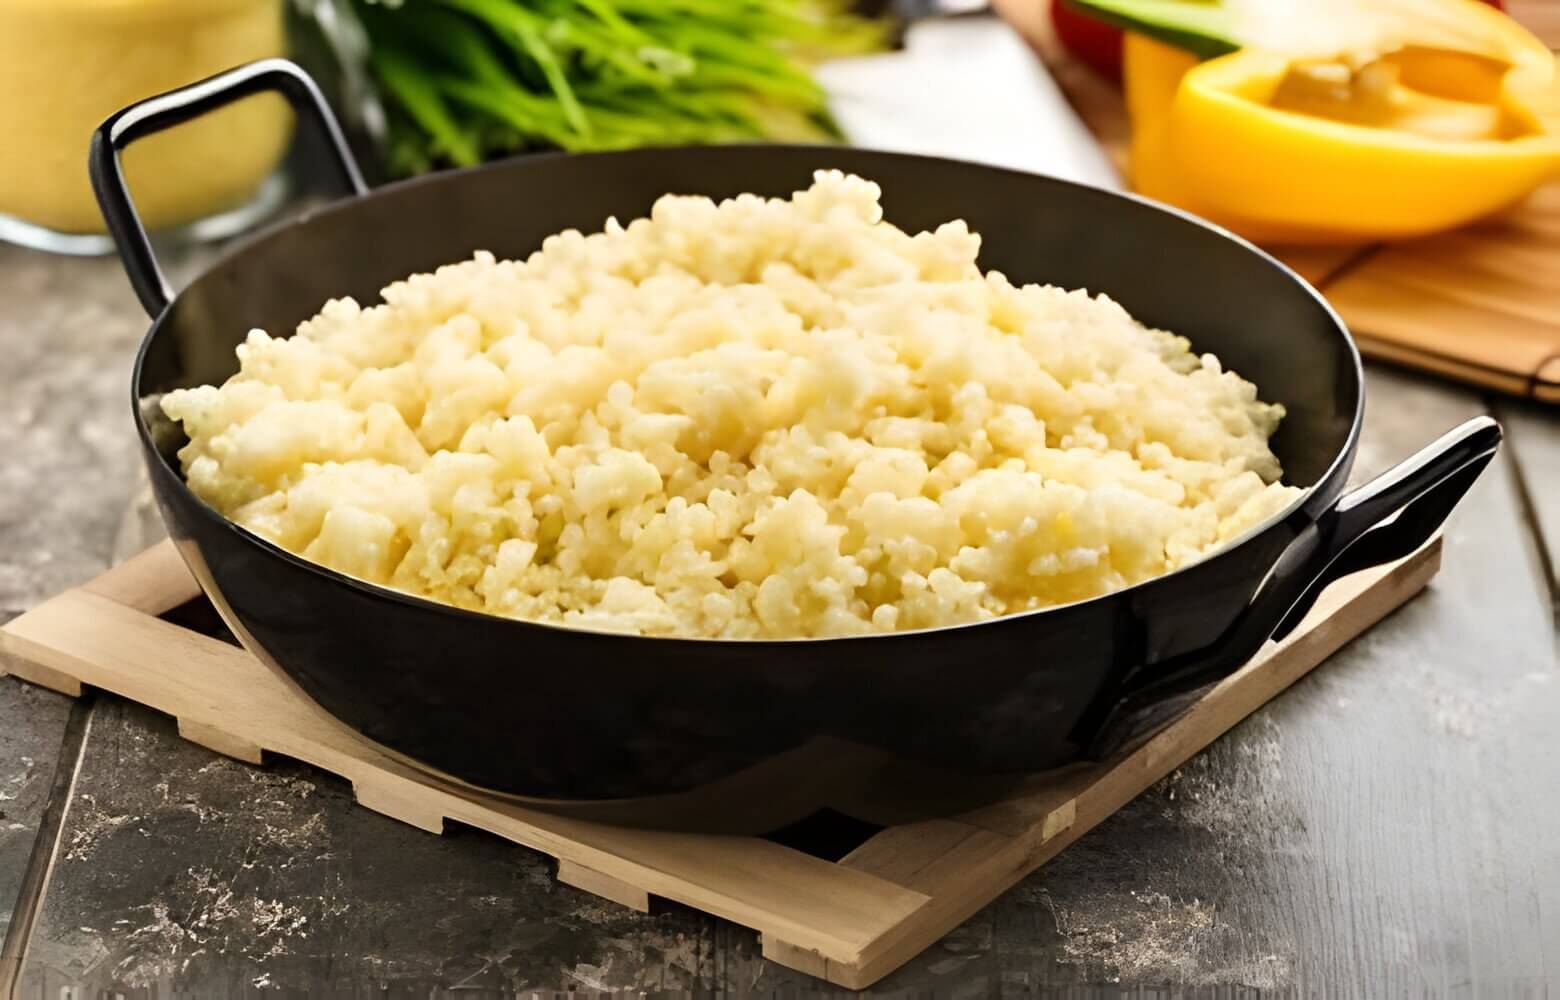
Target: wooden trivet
850, 921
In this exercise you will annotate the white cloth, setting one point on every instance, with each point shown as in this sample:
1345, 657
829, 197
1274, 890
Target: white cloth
967, 88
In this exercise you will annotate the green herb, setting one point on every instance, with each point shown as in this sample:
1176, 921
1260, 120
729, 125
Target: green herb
466, 80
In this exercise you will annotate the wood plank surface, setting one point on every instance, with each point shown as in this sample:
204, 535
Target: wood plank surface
1393, 795
1534, 436
32, 724
182, 870
68, 336
66, 339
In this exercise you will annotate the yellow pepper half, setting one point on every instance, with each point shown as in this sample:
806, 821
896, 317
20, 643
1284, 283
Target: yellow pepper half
1318, 151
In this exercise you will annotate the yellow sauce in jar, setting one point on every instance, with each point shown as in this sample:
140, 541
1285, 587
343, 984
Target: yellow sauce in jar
65, 65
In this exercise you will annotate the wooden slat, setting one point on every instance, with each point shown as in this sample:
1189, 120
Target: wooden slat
903, 854
800, 959
605, 886
154, 581
966, 877
220, 741
24, 668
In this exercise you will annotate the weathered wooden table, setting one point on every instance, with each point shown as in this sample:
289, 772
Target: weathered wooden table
1387, 826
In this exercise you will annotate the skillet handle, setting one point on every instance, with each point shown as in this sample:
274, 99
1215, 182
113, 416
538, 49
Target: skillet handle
1386, 519
164, 111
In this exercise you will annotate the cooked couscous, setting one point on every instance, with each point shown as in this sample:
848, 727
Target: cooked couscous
762, 418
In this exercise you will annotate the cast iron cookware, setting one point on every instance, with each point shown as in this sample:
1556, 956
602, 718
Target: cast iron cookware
572, 718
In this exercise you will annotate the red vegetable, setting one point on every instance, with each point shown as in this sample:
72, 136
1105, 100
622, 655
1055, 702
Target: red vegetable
1092, 41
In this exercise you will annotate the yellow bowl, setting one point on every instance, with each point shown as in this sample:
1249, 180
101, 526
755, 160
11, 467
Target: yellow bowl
65, 65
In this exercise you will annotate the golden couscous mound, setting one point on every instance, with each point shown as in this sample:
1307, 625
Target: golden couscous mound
762, 418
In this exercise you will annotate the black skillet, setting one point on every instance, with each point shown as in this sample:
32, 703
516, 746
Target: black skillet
621, 726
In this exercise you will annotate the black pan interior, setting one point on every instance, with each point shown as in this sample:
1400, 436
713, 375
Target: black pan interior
1166, 269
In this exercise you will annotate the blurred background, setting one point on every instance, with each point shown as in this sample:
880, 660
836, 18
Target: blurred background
1327, 131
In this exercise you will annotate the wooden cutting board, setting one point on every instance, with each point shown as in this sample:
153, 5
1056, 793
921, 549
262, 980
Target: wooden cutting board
1480, 304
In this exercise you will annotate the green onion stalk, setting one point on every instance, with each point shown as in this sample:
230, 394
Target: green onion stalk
463, 81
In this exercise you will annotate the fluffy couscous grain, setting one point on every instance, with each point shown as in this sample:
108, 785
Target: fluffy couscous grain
757, 419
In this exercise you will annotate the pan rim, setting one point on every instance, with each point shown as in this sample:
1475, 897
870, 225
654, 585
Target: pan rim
1299, 510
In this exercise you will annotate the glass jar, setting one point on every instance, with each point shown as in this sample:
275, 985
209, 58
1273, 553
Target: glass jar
66, 65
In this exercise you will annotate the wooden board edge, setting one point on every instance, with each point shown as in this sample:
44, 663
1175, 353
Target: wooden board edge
220, 741
594, 882
23, 658
1508, 383
15, 662
384, 798
1546, 382
804, 960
